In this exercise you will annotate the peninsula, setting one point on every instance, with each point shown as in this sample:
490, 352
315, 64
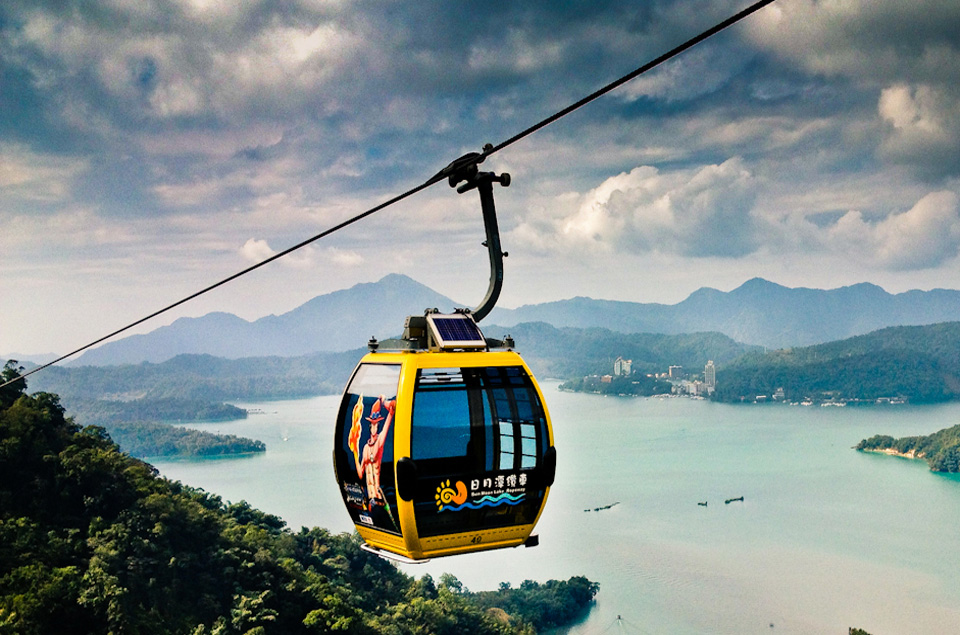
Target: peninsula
940, 449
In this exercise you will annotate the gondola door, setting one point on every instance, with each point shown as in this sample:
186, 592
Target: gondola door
481, 442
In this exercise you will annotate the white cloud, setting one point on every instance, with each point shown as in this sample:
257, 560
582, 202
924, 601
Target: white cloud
907, 108
215, 10
711, 212
307, 257
923, 127
697, 72
905, 53
863, 39
22, 167
926, 235
514, 52
697, 212
34, 177
212, 143
256, 250
343, 257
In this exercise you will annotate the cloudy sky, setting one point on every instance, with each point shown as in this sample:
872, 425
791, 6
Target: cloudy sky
149, 148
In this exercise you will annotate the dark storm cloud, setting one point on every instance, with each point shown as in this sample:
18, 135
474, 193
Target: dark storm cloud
903, 56
113, 74
167, 106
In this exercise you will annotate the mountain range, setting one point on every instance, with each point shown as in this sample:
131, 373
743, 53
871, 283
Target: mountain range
758, 312
338, 321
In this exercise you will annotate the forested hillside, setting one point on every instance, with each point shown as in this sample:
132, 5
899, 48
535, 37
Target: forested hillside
940, 449
917, 363
568, 353
93, 541
203, 377
136, 403
201, 383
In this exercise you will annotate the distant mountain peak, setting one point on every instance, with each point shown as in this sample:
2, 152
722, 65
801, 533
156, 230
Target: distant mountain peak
755, 285
338, 321
865, 287
758, 281
398, 278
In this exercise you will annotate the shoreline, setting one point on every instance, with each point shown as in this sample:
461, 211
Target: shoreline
912, 454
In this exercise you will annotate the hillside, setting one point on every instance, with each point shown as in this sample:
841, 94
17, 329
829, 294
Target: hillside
940, 449
917, 363
93, 542
758, 312
920, 364
136, 403
573, 352
550, 352
203, 377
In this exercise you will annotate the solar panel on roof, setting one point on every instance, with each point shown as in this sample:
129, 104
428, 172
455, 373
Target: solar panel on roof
456, 331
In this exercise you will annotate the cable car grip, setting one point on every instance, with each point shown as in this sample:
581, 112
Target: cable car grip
464, 170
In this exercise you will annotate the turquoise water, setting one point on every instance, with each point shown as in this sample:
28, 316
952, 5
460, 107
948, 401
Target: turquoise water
825, 538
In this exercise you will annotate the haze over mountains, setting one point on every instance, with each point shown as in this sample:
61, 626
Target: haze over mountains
758, 312
338, 321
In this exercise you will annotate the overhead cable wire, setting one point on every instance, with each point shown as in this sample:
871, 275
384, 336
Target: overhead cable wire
753, 8
465, 161
233, 277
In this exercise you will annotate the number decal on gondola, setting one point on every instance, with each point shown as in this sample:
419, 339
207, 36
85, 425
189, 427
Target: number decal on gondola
476, 540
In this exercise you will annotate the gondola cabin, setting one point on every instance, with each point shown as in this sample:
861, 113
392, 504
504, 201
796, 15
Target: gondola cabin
444, 449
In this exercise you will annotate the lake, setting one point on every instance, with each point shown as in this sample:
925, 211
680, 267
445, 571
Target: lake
824, 539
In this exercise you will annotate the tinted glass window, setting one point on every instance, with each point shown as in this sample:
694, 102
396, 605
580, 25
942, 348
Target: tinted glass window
441, 415
478, 436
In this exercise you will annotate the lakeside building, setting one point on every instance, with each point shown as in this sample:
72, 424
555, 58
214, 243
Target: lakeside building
710, 377
676, 372
622, 367
694, 388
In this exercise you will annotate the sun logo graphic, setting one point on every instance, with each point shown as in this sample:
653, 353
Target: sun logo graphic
448, 496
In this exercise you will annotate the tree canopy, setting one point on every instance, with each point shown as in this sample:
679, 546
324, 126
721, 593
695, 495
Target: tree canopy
94, 541
940, 449
920, 364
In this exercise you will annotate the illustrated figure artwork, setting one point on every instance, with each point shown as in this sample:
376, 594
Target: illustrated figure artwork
369, 458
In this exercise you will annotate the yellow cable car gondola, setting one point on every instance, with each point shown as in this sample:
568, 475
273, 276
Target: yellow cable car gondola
444, 446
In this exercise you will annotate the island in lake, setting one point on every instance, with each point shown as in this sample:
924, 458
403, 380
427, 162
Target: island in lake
940, 449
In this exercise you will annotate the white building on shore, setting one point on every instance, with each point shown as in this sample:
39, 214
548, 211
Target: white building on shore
710, 377
622, 367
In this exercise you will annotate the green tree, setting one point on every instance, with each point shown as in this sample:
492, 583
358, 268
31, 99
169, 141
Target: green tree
11, 391
93, 541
